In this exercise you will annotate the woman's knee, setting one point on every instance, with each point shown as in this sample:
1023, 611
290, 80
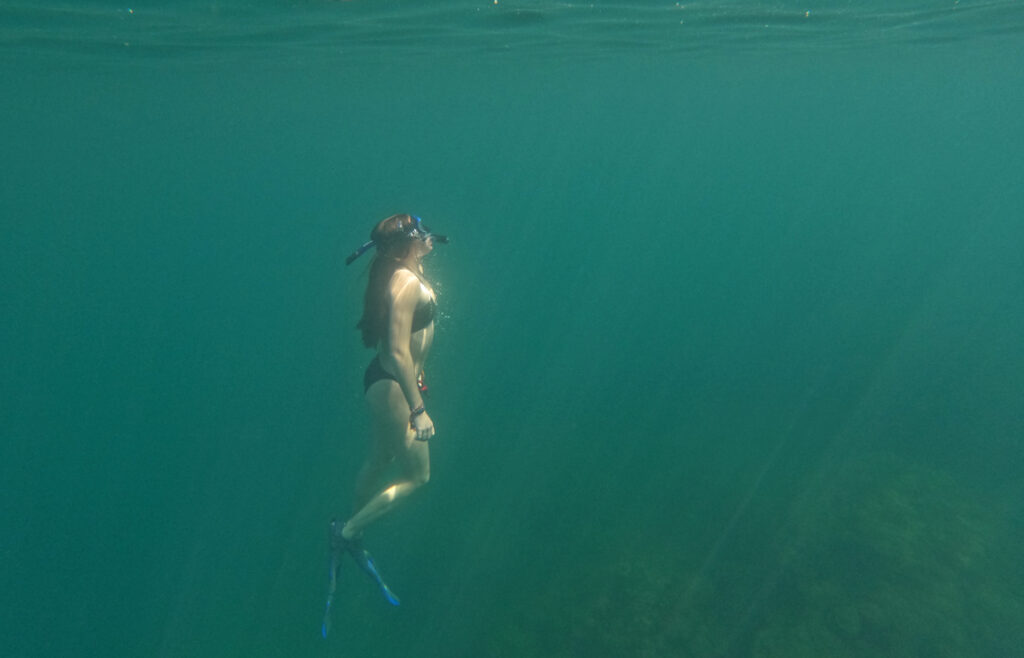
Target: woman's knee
417, 463
421, 476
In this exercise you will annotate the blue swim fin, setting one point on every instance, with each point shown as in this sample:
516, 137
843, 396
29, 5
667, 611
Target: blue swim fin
354, 547
366, 563
332, 583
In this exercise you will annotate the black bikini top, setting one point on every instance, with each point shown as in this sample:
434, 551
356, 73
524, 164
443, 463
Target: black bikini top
424, 313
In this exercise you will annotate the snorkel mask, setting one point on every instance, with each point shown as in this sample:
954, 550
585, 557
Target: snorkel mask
417, 231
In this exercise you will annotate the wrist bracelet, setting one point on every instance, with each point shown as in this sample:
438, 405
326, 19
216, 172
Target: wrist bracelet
417, 411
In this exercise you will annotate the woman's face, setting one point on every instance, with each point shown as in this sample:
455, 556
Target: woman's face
424, 247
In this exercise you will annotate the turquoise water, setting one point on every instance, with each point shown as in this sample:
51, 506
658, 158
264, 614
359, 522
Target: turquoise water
728, 362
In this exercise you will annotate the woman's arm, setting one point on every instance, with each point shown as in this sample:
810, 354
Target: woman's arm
405, 294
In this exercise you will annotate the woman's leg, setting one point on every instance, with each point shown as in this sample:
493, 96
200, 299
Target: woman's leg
369, 477
391, 435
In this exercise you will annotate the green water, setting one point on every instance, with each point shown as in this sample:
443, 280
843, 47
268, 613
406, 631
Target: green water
728, 361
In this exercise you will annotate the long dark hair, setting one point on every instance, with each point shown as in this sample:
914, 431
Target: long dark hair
393, 244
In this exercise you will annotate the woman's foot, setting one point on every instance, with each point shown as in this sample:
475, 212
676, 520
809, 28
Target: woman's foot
354, 547
336, 535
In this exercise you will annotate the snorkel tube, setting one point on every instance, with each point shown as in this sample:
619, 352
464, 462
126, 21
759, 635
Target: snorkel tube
360, 251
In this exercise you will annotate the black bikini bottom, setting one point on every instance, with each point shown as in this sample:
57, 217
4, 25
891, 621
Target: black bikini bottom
374, 373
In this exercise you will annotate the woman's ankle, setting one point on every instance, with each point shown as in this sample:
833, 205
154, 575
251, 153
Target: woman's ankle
347, 533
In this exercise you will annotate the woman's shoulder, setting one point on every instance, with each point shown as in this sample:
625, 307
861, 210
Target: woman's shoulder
403, 276
404, 279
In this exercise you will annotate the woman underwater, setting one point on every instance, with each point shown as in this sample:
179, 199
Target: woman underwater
398, 320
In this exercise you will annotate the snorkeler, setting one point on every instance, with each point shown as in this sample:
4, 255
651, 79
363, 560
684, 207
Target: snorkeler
398, 321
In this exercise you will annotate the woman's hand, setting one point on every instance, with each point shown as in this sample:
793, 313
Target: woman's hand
422, 426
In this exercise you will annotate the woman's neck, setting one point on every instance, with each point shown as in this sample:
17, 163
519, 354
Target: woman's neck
413, 265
